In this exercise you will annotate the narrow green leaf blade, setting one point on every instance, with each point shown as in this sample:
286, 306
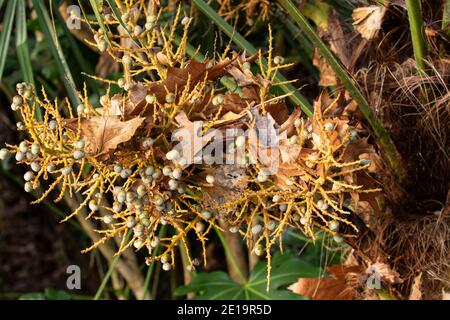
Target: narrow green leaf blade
49, 32
23, 51
6, 33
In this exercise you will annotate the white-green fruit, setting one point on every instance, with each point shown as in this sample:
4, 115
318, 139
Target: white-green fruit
127, 60
240, 141
158, 200
199, 227
172, 155
210, 179
328, 126
35, 149
259, 250
338, 239
121, 196
3, 153
117, 168
256, 229
20, 156
170, 97
93, 206
52, 125
131, 222
35, 166
50, 168
217, 100
141, 191
322, 205
166, 266
155, 242
185, 21
150, 99
167, 171
334, 225
271, 225
80, 109
262, 176
79, 144
130, 196
173, 184
78, 154
151, 18
67, 170
108, 219
28, 187
117, 206
138, 243
206, 214
164, 258
23, 146
28, 176
149, 170
278, 60
20, 125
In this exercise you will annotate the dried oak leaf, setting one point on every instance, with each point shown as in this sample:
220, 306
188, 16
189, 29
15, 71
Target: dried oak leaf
334, 287
104, 133
368, 20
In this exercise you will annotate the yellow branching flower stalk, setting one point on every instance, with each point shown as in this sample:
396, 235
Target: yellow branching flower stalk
177, 148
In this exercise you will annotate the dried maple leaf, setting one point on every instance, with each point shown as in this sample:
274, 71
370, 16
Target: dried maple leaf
104, 133
368, 20
334, 287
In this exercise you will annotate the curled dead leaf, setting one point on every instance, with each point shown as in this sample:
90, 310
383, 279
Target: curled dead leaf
104, 133
368, 20
337, 286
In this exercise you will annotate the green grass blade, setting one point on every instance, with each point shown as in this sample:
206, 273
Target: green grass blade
383, 136
418, 38
116, 12
79, 57
446, 18
49, 31
21, 43
98, 16
240, 41
111, 268
6, 33
22, 49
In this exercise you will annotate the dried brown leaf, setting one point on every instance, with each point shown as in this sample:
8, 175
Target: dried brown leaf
104, 134
368, 20
334, 287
